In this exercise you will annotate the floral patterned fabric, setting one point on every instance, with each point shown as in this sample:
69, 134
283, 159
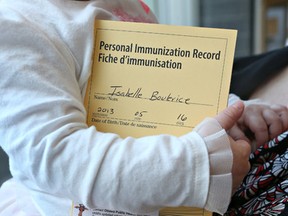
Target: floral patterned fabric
264, 190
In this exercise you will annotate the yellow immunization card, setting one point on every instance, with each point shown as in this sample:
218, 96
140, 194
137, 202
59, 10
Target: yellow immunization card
150, 79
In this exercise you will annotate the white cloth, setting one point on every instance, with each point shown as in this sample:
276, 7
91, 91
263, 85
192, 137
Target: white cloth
46, 47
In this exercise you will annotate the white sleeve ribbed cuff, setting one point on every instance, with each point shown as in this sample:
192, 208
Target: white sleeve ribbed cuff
219, 184
220, 161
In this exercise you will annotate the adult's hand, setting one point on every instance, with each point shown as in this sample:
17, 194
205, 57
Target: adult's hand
241, 149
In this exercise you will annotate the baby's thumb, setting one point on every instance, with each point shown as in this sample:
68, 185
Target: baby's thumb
228, 117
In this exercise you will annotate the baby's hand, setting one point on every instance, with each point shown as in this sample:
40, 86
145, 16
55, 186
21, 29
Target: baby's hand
260, 122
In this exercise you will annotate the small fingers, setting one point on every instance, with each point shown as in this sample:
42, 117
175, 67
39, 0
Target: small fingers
237, 134
266, 123
258, 126
274, 123
282, 112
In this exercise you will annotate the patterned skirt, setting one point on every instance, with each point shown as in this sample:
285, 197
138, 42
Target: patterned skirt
264, 190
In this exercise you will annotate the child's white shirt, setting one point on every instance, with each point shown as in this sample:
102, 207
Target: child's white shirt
46, 48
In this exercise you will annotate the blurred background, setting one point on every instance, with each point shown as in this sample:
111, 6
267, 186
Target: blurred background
262, 24
4, 167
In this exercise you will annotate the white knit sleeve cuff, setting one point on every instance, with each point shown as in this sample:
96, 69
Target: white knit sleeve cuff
219, 184
220, 161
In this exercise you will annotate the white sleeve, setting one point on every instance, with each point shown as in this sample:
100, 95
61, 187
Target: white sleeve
51, 149
220, 160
